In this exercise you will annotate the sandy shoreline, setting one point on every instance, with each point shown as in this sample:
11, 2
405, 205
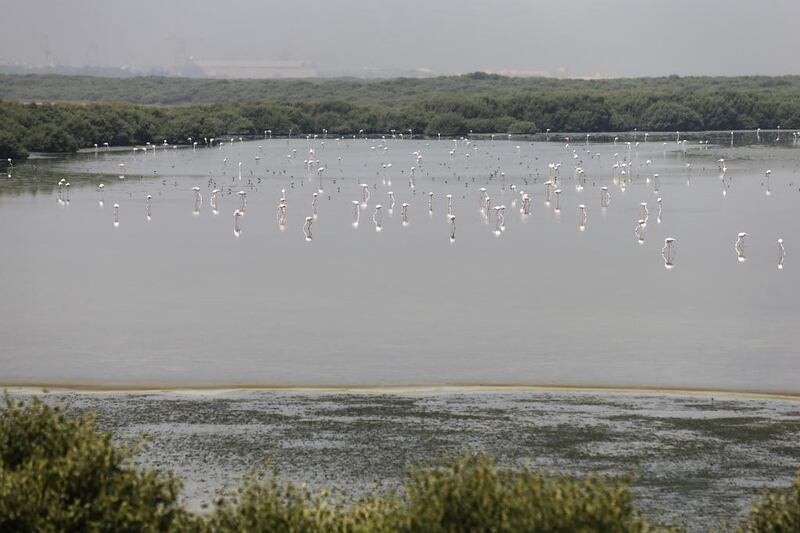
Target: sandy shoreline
189, 390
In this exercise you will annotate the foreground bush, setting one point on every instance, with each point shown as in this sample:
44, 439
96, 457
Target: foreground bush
58, 473
471, 494
777, 513
275, 506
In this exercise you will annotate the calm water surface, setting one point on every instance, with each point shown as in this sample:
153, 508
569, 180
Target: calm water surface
180, 300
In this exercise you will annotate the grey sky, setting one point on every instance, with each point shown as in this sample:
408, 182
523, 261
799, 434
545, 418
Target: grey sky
614, 37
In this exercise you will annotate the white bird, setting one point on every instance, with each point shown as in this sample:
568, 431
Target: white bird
643, 212
242, 201
639, 231
377, 219
356, 214
236, 216
498, 220
582, 217
116, 215
213, 201
739, 247
282, 216
320, 170
198, 200
605, 197
668, 252
526, 204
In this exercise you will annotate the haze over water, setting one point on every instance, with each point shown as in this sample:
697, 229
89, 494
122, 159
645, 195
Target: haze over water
180, 301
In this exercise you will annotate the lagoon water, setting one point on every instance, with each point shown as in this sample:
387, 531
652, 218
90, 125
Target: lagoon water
179, 300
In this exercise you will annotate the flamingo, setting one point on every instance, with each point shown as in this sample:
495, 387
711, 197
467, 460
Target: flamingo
605, 197
639, 231
526, 204
198, 200
582, 217
282, 216
356, 214
236, 216
377, 218
364, 193
314, 198
658, 216
668, 252
213, 201
768, 173
739, 247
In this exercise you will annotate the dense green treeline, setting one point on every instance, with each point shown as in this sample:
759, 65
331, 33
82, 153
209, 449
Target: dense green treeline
398, 91
59, 473
64, 127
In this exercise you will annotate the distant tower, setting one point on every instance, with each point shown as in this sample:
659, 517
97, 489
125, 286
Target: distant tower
47, 58
91, 59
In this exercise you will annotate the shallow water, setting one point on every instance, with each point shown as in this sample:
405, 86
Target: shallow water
180, 300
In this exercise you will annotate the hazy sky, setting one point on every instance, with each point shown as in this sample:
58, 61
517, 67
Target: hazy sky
614, 37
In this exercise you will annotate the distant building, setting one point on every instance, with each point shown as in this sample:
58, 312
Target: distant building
382, 73
517, 73
244, 68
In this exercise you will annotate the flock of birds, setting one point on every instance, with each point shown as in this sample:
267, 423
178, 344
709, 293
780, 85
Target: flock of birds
464, 148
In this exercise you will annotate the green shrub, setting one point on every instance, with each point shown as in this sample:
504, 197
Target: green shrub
777, 512
58, 473
469, 494
522, 127
10, 148
473, 494
446, 124
668, 116
274, 506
